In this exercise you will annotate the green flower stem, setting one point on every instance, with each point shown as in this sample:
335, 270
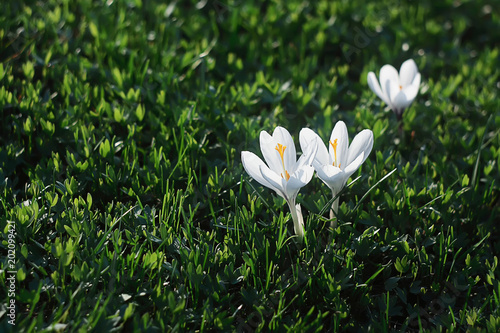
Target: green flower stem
334, 211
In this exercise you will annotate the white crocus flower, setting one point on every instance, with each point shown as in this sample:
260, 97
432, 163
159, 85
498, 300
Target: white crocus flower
283, 173
397, 90
335, 164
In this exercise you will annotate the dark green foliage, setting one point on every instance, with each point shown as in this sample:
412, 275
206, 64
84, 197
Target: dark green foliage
122, 128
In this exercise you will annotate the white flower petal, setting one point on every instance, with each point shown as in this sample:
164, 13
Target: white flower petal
411, 92
388, 75
304, 160
332, 176
375, 87
393, 90
309, 138
400, 101
407, 72
281, 135
253, 165
274, 180
298, 180
339, 133
416, 80
361, 144
308, 156
303, 175
268, 147
351, 168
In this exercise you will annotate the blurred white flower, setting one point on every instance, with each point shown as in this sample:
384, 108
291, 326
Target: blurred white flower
336, 164
397, 90
283, 173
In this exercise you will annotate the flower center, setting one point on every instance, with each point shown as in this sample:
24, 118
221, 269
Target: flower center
400, 87
334, 146
281, 150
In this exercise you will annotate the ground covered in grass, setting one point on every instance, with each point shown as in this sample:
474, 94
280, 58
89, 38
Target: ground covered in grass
121, 178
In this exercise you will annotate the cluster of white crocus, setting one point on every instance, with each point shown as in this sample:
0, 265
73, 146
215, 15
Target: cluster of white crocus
335, 161
286, 176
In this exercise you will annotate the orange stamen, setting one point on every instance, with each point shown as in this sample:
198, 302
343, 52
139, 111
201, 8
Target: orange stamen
334, 146
281, 150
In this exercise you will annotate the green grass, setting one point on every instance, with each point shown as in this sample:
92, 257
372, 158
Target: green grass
122, 128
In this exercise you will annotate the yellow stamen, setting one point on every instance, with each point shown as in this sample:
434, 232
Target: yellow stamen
281, 150
400, 87
334, 146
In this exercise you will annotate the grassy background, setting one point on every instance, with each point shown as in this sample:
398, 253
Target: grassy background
120, 140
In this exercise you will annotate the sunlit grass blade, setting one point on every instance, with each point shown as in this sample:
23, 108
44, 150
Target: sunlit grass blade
371, 188
479, 149
330, 202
